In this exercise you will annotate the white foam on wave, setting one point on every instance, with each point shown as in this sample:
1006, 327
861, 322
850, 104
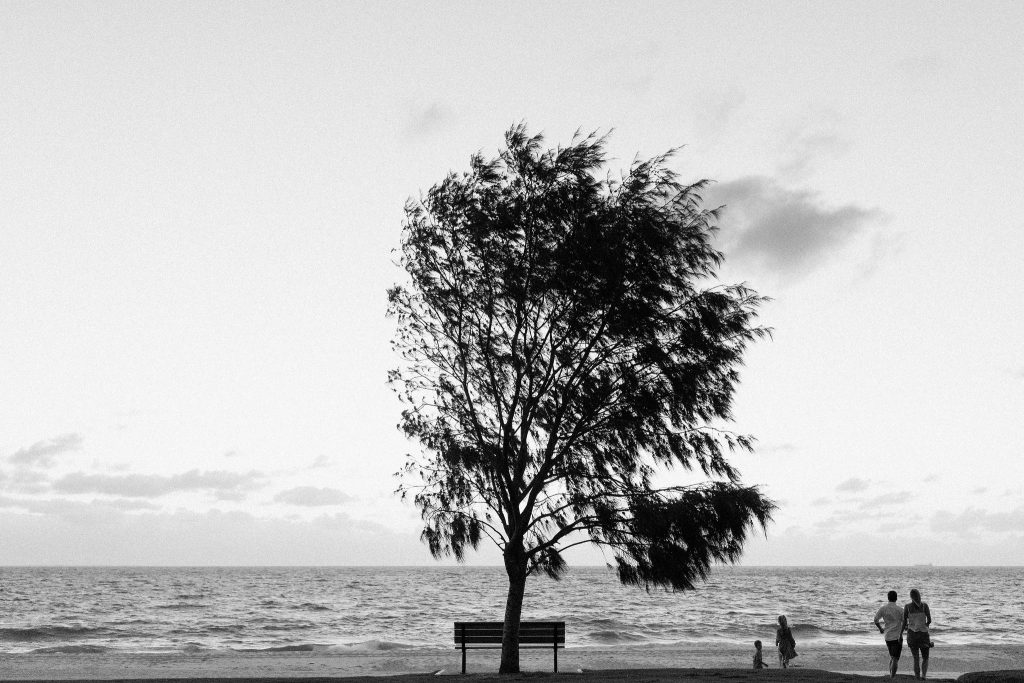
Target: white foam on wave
375, 646
71, 650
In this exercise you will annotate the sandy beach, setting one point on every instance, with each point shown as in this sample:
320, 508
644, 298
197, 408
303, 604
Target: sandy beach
634, 664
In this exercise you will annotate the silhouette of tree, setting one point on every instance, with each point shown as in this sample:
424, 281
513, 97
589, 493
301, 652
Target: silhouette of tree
563, 340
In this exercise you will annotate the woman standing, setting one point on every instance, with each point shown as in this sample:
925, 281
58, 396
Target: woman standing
916, 619
785, 642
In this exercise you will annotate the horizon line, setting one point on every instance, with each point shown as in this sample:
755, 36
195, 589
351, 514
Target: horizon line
490, 566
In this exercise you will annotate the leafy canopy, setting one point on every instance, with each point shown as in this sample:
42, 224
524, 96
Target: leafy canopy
563, 338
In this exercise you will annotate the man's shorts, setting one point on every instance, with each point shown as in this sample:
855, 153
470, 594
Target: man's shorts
895, 647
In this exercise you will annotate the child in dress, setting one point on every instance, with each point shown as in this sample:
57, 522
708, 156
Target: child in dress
758, 660
785, 642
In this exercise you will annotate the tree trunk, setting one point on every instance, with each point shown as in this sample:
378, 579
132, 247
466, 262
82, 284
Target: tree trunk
515, 566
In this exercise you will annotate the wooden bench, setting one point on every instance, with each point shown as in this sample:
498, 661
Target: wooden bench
474, 635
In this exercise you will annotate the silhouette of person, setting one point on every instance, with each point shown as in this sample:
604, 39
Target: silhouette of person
785, 642
916, 619
892, 616
758, 658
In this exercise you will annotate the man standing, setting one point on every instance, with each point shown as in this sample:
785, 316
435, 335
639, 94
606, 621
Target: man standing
892, 615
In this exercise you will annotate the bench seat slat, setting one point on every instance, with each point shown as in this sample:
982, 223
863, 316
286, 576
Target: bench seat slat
496, 633
500, 624
497, 646
539, 633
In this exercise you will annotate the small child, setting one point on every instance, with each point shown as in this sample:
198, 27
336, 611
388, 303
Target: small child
758, 660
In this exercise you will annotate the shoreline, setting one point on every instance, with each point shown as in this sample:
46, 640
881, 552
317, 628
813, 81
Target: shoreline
614, 664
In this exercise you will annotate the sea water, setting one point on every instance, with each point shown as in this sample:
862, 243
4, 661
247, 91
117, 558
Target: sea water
195, 609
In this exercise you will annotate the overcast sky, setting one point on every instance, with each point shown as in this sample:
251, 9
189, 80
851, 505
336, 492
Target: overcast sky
198, 204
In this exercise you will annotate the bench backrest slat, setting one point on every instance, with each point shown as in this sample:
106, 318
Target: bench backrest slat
530, 632
523, 640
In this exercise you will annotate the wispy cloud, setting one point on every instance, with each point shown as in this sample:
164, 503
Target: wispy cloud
43, 453
128, 504
629, 66
717, 108
853, 485
973, 520
429, 120
321, 461
781, 230
231, 495
154, 485
844, 518
25, 480
63, 507
805, 149
312, 496
96, 533
885, 500
777, 448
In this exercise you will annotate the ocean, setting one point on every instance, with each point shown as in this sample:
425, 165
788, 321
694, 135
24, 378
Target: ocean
195, 609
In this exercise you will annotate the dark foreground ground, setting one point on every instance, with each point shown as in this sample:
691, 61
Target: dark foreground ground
603, 676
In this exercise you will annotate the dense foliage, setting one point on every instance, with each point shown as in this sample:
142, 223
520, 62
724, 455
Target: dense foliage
564, 338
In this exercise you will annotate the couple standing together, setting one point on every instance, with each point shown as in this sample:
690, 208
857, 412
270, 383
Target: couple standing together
914, 618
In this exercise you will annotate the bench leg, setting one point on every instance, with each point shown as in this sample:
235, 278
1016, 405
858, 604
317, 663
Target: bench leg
463, 656
555, 643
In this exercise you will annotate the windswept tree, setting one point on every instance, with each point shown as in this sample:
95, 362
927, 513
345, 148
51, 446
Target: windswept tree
563, 339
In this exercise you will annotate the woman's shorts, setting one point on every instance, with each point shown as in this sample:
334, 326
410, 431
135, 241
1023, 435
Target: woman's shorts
918, 640
895, 646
